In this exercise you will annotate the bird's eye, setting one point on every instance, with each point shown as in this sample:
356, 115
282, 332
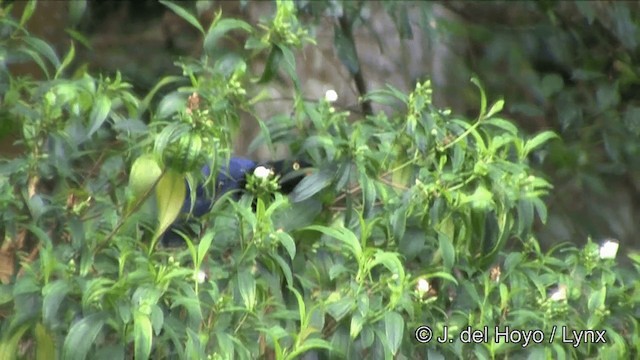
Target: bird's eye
296, 165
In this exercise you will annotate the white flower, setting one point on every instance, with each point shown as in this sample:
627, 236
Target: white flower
200, 276
261, 172
331, 95
423, 286
609, 249
559, 294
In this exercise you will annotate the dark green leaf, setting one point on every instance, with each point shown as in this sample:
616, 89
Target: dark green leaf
272, 65
43, 49
53, 295
312, 185
183, 14
219, 28
447, 250
82, 336
346, 50
99, 113
66, 61
247, 288
394, 329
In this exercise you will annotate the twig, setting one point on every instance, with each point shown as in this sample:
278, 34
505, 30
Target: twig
358, 78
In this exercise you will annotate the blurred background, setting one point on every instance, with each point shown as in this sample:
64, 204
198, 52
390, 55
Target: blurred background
569, 66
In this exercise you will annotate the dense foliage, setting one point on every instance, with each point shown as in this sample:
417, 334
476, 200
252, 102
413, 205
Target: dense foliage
414, 218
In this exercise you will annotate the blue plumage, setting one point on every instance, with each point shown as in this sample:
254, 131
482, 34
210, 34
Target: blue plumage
229, 178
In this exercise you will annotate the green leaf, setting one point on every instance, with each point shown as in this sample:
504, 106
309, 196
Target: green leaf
357, 322
346, 50
28, 12
483, 97
596, 299
309, 344
247, 288
481, 198
289, 65
399, 222
343, 234
495, 108
82, 336
445, 244
204, 246
157, 319
44, 49
394, 330
389, 260
145, 172
76, 10
45, 345
368, 193
219, 28
66, 61
503, 124
143, 336
312, 185
9, 345
170, 192
36, 58
537, 141
272, 65
99, 113
341, 307
53, 295
183, 14
286, 269
525, 216
170, 103
287, 242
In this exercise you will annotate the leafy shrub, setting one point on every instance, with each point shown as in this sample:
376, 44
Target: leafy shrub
410, 219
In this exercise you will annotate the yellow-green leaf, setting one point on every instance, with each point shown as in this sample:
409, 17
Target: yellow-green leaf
170, 192
44, 343
145, 171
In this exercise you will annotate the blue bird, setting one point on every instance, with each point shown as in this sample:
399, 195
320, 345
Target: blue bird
231, 178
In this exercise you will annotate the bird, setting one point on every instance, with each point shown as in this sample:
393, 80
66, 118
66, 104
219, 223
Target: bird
231, 177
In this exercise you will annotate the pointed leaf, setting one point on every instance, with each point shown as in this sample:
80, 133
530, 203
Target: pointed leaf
344, 235
45, 346
99, 113
82, 336
221, 27
170, 192
272, 65
538, 140
28, 12
187, 16
145, 171
247, 288
66, 61
346, 50
483, 97
43, 49
142, 331
495, 108
394, 329
311, 185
